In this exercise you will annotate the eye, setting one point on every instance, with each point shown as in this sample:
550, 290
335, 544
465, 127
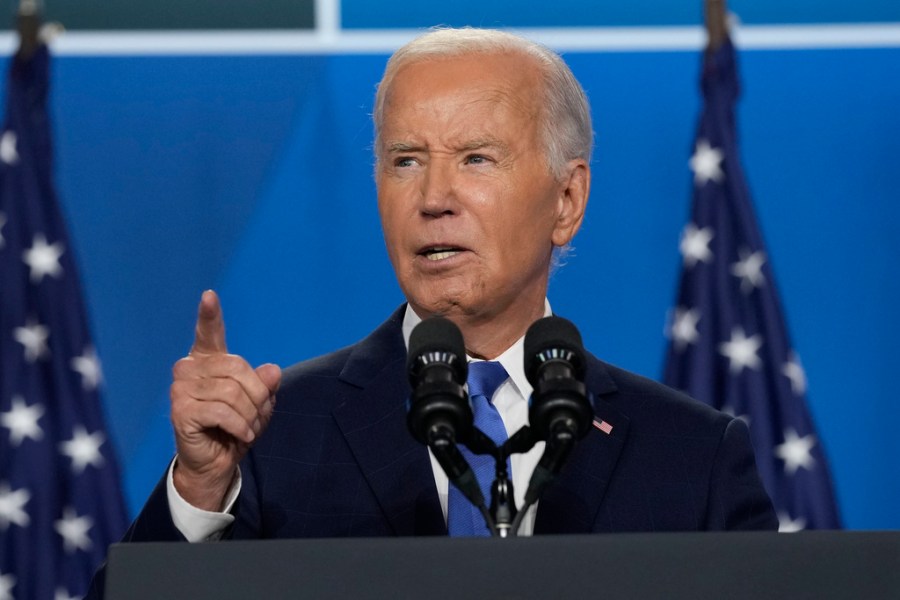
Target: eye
477, 159
404, 161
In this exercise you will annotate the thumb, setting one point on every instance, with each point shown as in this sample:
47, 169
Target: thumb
270, 375
209, 335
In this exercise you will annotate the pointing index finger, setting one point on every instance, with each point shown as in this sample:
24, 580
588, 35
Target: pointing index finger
209, 336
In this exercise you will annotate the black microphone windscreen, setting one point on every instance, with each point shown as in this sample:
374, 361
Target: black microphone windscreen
554, 335
436, 339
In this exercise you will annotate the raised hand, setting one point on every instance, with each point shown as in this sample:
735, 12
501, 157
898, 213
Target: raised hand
220, 405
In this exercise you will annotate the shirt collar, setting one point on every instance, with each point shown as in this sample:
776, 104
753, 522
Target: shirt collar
512, 359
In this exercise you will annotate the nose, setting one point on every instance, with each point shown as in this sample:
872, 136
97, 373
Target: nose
438, 193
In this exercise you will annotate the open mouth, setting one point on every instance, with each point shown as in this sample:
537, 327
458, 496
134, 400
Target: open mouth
436, 253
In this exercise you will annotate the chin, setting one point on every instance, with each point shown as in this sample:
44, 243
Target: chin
443, 308
445, 305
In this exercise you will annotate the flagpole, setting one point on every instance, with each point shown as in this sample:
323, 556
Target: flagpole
28, 24
59, 475
729, 346
716, 13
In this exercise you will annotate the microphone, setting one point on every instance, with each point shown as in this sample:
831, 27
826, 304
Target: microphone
439, 410
560, 413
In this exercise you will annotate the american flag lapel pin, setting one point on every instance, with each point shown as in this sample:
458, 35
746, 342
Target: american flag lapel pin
603, 426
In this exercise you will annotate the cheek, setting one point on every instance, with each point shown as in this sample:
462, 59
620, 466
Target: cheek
396, 204
529, 238
529, 217
391, 240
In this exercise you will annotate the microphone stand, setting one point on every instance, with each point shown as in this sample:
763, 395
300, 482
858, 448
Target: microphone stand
503, 502
521, 441
505, 518
503, 506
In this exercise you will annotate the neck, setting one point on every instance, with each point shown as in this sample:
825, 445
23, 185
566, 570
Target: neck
489, 336
488, 341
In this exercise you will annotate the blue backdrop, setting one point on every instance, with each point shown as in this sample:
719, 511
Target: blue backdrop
253, 175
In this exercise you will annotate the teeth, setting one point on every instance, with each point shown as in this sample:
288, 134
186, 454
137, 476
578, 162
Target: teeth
440, 254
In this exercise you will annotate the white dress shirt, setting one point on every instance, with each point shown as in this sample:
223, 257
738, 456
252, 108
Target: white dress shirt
510, 399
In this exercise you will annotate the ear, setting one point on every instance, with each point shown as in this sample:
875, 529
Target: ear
574, 189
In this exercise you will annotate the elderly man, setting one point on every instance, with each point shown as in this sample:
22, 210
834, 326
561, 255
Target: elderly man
482, 146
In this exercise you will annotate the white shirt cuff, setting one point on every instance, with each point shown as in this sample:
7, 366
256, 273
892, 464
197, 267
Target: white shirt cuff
195, 524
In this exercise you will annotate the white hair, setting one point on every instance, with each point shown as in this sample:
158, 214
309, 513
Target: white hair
565, 115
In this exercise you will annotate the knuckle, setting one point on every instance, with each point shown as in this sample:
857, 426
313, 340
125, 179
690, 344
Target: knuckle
219, 361
179, 391
234, 364
204, 387
232, 392
181, 412
182, 368
232, 422
218, 412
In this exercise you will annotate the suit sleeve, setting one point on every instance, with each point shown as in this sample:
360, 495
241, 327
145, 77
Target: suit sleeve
737, 498
153, 524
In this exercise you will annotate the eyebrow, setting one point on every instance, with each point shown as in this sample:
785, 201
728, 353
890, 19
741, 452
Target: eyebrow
393, 147
476, 144
485, 142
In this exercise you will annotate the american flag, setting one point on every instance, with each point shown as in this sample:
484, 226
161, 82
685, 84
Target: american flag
60, 500
729, 345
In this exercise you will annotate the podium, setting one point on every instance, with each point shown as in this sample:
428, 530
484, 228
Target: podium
814, 565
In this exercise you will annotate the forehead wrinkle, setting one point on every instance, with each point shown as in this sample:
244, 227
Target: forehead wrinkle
521, 93
520, 97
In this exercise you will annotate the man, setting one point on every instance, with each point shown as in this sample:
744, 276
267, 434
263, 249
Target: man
483, 142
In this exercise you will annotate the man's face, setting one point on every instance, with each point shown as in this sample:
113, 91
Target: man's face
469, 207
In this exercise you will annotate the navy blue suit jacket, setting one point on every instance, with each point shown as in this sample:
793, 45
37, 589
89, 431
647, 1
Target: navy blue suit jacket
337, 460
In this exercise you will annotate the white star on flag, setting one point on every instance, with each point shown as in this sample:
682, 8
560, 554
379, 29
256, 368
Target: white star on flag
7, 583
22, 421
749, 269
684, 327
788, 525
694, 244
793, 370
737, 363
795, 451
63, 594
84, 449
74, 530
88, 365
34, 337
12, 506
741, 351
43, 258
706, 163
54, 451
8, 152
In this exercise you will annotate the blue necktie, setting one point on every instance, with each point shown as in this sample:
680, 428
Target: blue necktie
463, 519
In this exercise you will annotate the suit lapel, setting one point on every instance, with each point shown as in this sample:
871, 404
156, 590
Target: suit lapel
571, 503
398, 469
373, 421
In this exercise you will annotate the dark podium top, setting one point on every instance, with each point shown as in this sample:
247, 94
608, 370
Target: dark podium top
813, 565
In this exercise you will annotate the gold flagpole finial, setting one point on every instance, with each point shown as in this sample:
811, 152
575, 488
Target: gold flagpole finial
28, 24
29, 7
